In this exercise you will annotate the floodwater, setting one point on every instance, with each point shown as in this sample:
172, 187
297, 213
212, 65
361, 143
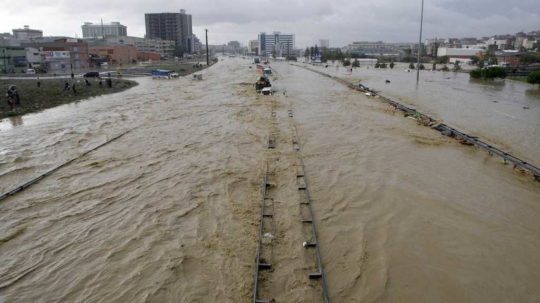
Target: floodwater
169, 212
504, 112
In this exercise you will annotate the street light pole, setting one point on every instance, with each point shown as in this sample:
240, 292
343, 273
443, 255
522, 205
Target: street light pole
207, 55
5, 62
420, 44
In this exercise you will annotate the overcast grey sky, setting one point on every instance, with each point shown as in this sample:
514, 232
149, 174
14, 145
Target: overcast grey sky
341, 21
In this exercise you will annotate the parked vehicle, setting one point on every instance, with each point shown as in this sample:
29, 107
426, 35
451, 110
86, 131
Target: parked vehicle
162, 74
91, 75
31, 71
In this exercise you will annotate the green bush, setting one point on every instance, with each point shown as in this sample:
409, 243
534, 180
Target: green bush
391, 64
494, 72
475, 73
488, 73
411, 66
356, 63
534, 77
382, 65
346, 62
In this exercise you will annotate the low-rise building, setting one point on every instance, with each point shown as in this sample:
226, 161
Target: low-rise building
115, 54
61, 53
148, 56
253, 47
27, 34
12, 58
432, 45
462, 55
502, 42
509, 57
164, 47
324, 43
374, 49
33, 57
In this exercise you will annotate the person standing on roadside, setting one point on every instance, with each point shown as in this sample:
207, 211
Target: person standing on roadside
13, 98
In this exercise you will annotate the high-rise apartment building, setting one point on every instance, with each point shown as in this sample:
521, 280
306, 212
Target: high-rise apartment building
101, 30
276, 44
172, 26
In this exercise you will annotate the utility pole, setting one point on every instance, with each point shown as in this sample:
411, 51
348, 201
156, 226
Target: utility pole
420, 44
5, 61
207, 54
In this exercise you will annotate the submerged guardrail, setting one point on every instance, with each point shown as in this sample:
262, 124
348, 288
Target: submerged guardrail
441, 127
35, 180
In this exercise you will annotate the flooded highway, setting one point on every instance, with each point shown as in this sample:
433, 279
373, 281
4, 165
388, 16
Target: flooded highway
505, 112
169, 212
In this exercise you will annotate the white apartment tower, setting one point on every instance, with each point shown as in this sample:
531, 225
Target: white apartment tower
276, 43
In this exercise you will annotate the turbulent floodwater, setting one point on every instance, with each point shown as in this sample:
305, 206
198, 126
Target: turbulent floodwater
169, 212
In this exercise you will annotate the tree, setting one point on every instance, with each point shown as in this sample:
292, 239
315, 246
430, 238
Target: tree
443, 60
529, 59
534, 77
422, 67
346, 62
481, 63
356, 63
445, 68
434, 66
475, 60
456, 66
306, 53
490, 58
411, 66
488, 73
392, 64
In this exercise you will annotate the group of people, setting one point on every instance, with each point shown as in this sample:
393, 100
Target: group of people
14, 99
73, 87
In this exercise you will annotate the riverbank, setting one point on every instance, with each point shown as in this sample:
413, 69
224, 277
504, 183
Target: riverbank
51, 93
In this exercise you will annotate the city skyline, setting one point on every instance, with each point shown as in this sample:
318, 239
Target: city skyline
339, 21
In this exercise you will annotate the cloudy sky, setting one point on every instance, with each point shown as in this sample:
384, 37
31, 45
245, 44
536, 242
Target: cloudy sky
340, 21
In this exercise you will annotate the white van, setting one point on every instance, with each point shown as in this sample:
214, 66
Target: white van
31, 71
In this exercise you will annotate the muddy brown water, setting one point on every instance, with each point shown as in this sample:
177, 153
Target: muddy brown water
504, 112
169, 212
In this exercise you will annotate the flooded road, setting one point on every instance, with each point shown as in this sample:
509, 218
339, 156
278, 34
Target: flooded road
505, 112
169, 212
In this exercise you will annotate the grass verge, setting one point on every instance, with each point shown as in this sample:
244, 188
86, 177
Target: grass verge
51, 93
